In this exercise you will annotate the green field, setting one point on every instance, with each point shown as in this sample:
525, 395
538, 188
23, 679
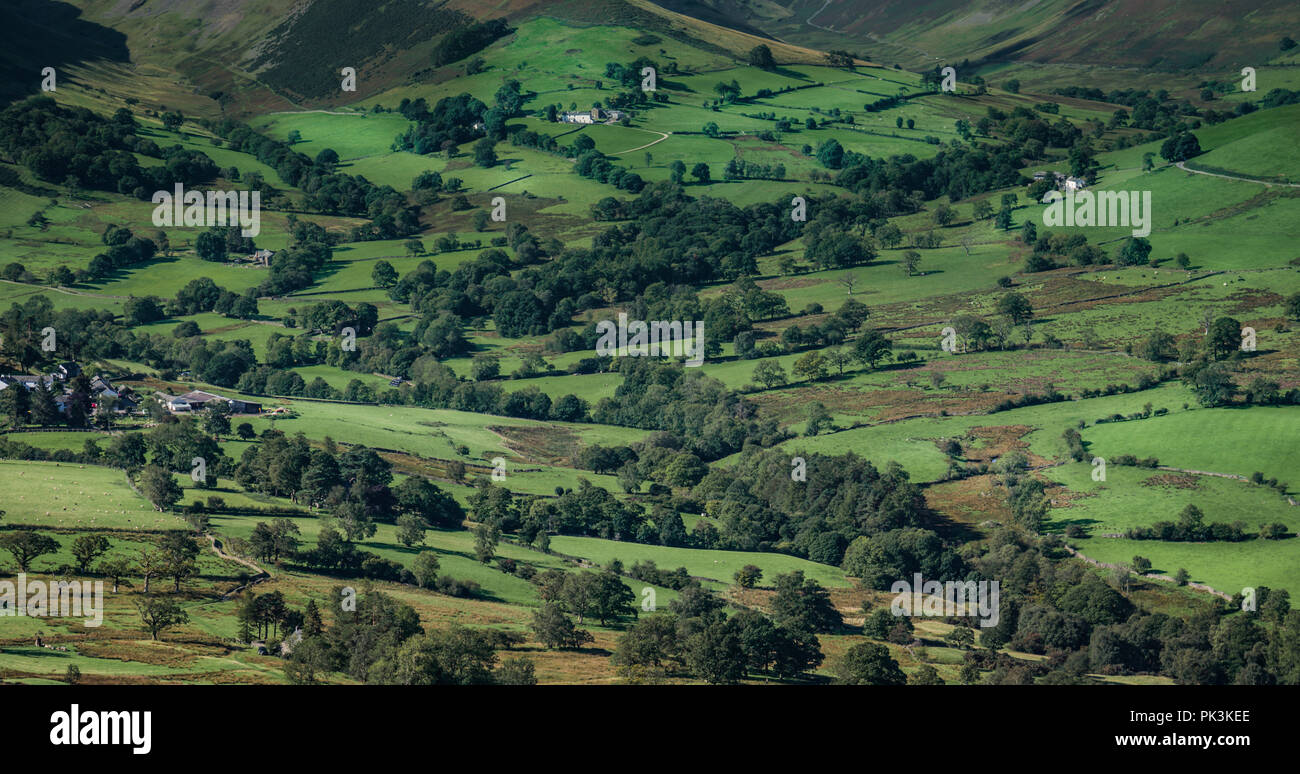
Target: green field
917, 167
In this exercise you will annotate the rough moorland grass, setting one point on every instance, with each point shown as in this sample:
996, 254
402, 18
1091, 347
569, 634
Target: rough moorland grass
913, 442
436, 433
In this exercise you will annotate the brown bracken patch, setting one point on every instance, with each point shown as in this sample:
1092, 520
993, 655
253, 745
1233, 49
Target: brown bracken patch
995, 441
787, 283
969, 501
549, 443
1177, 481
157, 653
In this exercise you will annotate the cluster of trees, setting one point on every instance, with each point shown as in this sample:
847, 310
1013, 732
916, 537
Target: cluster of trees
1032, 133
199, 295
955, 172
759, 505
868, 349
974, 333
1180, 146
295, 267
646, 570
352, 484
1058, 609
1085, 624
1191, 527
1152, 111
588, 510
1211, 361
629, 75
173, 557
830, 245
601, 595
214, 244
629, 78
710, 420
380, 640
527, 138
124, 250
326, 191
662, 243
1026, 494
595, 165
657, 459
218, 362
469, 39
267, 615
833, 331
81, 149
739, 169
450, 123
880, 559
669, 238
353, 487
885, 103
1051, 251
697, 637
79, 333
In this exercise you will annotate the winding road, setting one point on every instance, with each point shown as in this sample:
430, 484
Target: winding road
662, 136
1183, 166
216, 548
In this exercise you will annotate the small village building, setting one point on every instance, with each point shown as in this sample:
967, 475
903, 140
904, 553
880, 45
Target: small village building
568, 117
593, 116
197, 400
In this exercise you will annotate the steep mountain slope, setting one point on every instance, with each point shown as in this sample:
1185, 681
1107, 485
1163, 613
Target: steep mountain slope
1161, 34
38, 33
249, 56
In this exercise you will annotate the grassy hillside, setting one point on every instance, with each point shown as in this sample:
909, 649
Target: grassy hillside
477, 350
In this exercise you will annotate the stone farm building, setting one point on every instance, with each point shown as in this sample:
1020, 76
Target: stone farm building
197, 400
593, 116
1062, 183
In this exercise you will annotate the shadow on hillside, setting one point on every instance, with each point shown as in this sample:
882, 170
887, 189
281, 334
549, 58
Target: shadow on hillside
951, 530
123, 272
1057, 525
792, 74
43, 33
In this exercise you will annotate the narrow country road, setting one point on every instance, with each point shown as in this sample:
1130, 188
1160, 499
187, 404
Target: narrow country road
216, 548
326, 112
1183, 166
663, 136
809, 20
